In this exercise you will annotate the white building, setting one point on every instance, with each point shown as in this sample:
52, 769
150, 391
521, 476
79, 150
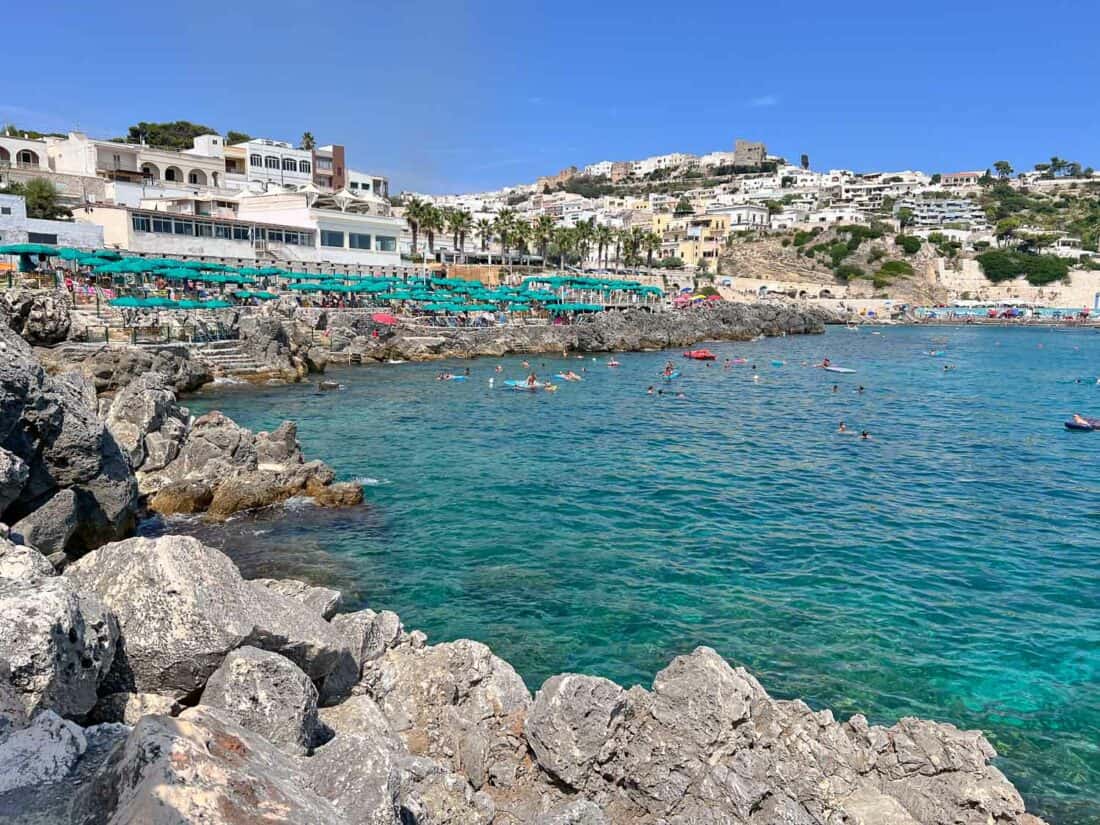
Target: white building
961, 213
23, 153
363, 183
16, 227
262, 164
744, 216
601, 169
77, 154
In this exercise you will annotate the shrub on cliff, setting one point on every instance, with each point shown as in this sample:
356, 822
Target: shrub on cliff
1005, 264
910, 244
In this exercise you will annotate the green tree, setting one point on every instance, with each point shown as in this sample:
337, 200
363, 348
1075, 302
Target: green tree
504, 224
603, 237
42, 200
683, 207
459, 222
1003, 169
905, 217
582, 238
232, 137
431, 222
1006, 229
542, 233
484, 230
307, 141
805, 161
563, 240
1057, 166
1073, 169
414, 215
179, 134
651, 242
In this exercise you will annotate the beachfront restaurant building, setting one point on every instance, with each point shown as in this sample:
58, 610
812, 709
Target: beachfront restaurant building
285, 227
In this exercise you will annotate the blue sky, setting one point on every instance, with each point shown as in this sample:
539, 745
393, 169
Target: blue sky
459, 96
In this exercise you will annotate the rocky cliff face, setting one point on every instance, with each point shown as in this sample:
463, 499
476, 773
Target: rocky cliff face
39, 317
625, 330
65, 484
224, 701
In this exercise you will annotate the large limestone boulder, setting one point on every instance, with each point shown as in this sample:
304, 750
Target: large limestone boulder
146, 422
41, 753
129, 708
268, 694
433, 795
59, 643
52, 526
360, 715
323, 600
13, 475
182, 606
571, 720
359, 775
201, 767
50, 426
40, 318
457, 703
18, 561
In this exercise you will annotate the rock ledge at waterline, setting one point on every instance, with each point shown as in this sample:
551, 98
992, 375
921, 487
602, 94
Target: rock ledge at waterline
219, 700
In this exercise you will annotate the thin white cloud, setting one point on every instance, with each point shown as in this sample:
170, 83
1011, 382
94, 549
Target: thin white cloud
764, 100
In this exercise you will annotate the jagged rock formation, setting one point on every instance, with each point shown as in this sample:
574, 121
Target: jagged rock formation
38, 317
420, 733
58, 458
114, 367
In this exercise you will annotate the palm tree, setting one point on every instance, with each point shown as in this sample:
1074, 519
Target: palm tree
582, 238
542, 232
651, 242
484, 230
432, 222
521, 233
564, 239
307, 141
603, 236
459, 222
504, 224
414, 215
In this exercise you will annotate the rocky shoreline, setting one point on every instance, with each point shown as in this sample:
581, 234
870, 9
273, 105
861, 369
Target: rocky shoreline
150, 683
145, 681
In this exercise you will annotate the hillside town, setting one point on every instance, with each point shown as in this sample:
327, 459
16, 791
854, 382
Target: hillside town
742, 222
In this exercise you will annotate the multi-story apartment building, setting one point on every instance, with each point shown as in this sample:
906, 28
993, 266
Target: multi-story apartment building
267, 163
961, 178
601, 169
23, 153
77, 154
928, 213
362, 183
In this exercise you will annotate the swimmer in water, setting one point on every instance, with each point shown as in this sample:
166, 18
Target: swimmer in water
866, 436
649, 390
836, 388
680, 395
843, 428
669, 369
532, 379
500, 368
526, 365
728, 363
860, 390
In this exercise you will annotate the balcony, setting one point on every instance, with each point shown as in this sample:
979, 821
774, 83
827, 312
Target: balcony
18, 164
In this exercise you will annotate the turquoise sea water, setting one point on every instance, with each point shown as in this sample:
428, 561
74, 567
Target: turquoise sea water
948, 568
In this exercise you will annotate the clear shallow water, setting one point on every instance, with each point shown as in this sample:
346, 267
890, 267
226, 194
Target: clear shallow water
947, 569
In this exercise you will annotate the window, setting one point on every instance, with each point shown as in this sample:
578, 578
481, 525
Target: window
354, 184
5, 210
330, 238
223, 231
162, 225
357, 241
41, 237
141, 223
275, 235
304, 166
271, 162
324, 164
204, 230
193, 177
294, 238
385, 243
185, 228
290, 165
171, 174
255, 160
241, 233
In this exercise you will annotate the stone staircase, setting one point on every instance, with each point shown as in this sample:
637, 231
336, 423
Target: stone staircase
227, 358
